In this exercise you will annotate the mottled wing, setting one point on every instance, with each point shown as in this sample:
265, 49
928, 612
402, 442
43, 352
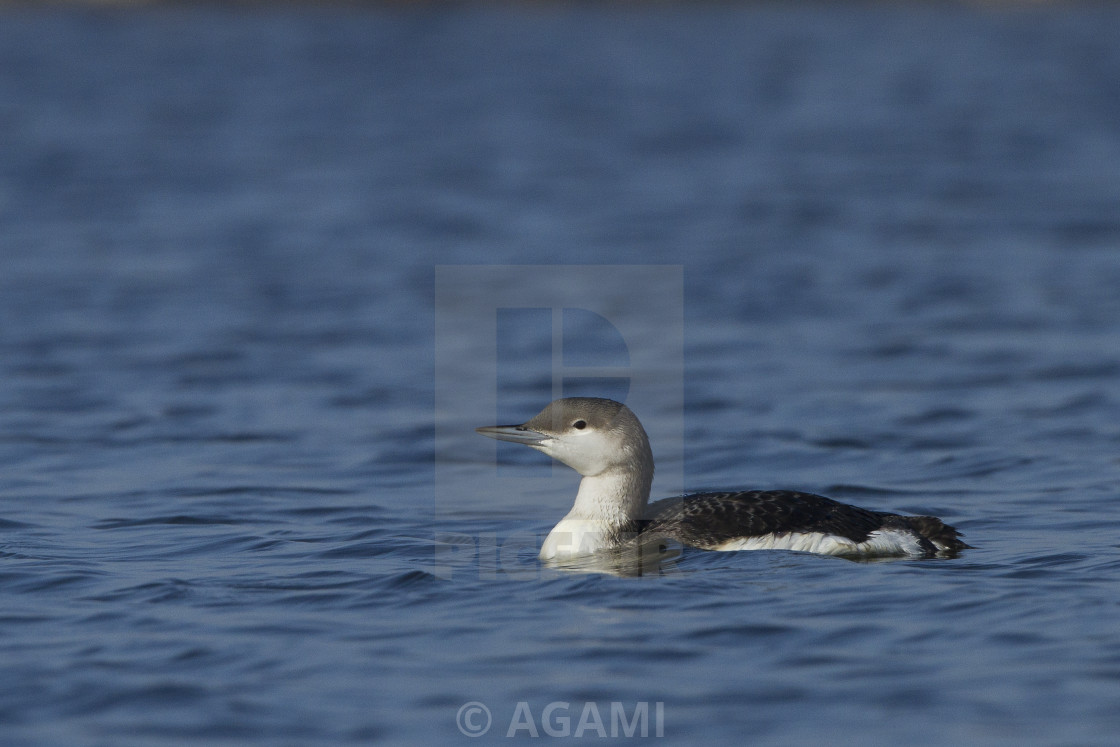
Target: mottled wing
707, 520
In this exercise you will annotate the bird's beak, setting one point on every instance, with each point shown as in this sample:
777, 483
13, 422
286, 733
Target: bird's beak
518, 434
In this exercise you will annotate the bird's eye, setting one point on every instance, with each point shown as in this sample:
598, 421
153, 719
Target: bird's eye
579, 425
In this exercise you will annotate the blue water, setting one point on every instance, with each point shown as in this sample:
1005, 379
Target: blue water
897, 233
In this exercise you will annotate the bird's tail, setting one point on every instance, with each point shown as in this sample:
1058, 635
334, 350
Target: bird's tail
942, 537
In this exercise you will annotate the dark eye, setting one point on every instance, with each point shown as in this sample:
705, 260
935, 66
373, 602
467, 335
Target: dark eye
579, 425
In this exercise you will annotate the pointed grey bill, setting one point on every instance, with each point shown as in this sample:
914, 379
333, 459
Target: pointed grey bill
518, 434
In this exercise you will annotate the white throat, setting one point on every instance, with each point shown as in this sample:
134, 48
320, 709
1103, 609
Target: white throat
605, 505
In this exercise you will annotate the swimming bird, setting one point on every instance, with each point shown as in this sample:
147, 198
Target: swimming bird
603, 441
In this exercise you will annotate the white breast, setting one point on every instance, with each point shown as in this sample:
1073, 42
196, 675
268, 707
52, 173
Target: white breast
574, 538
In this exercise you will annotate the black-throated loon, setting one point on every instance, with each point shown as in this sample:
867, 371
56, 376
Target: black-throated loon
603, 441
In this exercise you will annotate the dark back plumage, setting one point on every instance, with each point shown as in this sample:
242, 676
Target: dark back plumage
708, 520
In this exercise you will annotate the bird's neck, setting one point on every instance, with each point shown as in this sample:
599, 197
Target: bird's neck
614, 497
605, 507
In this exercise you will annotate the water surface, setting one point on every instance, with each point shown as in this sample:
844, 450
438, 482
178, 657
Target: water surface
899, 231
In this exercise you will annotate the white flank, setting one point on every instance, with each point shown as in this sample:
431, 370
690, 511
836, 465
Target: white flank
880, 542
